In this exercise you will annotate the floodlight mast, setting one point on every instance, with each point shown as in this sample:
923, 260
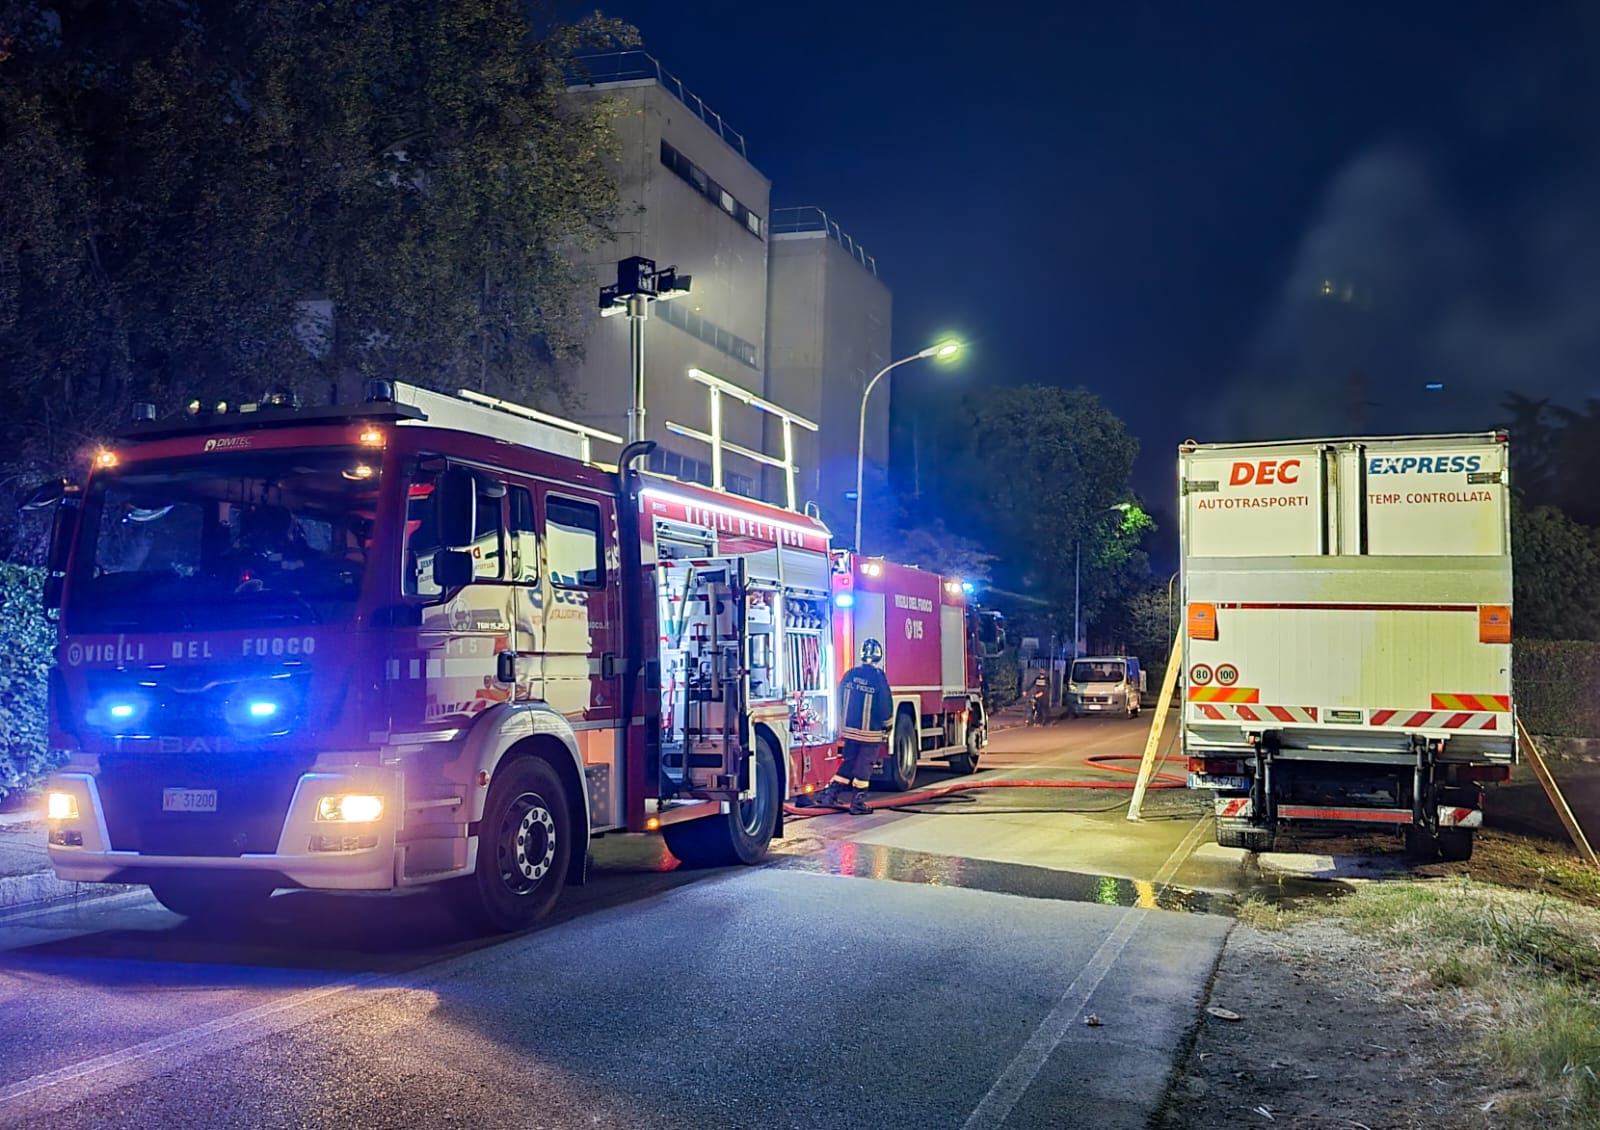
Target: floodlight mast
639, 284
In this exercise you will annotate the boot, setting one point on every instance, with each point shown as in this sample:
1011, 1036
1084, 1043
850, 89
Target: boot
858, 804
828, 797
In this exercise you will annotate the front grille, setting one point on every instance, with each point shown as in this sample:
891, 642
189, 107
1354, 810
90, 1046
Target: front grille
253, 795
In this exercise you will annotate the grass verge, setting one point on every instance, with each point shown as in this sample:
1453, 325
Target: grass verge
1521, 970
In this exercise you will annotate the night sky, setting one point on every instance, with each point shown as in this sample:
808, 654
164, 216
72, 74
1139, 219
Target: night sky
1231, 221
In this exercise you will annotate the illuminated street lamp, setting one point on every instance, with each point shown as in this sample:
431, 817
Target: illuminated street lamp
942, 351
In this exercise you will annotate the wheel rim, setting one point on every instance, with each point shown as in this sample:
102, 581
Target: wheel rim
527, 847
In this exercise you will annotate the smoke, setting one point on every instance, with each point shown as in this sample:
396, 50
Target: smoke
1471, 262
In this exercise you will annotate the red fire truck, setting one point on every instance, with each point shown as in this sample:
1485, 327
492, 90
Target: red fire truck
933, 645
423, 639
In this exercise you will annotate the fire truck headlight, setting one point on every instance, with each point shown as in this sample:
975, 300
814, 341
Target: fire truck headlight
61, 806
350, 808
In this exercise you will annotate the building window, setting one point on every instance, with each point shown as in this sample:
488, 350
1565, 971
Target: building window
678, 314
709, 188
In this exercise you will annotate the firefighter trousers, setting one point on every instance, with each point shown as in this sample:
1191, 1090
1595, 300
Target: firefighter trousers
858, 760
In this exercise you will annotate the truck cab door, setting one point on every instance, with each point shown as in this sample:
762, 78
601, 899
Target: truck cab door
705, 687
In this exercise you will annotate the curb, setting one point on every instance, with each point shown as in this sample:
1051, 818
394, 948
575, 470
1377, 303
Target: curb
28, 892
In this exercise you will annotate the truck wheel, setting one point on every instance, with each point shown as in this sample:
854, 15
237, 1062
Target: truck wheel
1420, 844
1455, 844
967, 762
213, 899
741, 834
900, 771
524, 847
1248, 838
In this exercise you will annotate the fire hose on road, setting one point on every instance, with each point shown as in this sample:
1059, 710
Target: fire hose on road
1163, 780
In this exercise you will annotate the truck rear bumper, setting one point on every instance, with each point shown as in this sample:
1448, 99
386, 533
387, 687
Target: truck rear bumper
1241, 810
312, 853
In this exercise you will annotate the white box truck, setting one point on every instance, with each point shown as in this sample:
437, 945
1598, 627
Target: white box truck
1347, 641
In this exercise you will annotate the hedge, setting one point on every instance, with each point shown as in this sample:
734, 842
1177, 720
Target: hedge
1557, 685
27, 650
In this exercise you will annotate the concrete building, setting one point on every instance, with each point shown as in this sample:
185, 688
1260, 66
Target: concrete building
793, 311
692, 199
828, 335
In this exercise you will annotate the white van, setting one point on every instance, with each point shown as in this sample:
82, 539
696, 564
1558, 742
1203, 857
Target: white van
1110, 685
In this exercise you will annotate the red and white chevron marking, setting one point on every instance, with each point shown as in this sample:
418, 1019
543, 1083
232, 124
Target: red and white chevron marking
1229, 807
1437, 719
1239, 712
1450, 817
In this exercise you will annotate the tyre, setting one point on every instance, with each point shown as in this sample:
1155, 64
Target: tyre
741, 834
1455, 844
525, 844
1421, 847
213, 898
967, 762
900, 771
1248, 838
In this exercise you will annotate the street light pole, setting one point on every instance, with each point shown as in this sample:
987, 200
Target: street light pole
1077, 573
1077, 576
948, 349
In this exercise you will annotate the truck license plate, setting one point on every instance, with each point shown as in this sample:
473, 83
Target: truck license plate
188, 800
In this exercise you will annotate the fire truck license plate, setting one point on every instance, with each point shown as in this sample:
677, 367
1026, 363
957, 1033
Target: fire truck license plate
188, 800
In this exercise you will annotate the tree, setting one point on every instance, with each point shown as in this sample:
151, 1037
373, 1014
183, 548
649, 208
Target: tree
1030, 473
204, 200
1557, 576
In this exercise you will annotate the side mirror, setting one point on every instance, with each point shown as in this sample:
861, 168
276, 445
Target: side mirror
45, 494
452, 568
65, 497
455, 500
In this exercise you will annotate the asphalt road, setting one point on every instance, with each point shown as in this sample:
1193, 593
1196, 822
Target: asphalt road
1014, 958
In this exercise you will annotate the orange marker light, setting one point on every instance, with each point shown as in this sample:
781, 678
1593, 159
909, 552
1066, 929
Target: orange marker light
652, 825
105, 458
1494, 623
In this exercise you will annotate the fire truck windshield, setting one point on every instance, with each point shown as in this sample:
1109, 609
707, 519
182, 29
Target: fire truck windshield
235, 540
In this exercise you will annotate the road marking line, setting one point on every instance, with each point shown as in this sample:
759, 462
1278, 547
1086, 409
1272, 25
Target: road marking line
1014, 1081
185, 1037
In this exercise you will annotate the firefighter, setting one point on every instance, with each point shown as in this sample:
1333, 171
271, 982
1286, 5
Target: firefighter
865, 709
1038, 699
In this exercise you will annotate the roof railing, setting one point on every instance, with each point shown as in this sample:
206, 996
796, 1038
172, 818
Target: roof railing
633, 66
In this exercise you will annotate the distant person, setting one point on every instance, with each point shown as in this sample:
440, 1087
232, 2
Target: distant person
1038, 698
866, 706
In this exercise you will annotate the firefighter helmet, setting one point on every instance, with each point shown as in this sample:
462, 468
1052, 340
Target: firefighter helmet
871, 652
